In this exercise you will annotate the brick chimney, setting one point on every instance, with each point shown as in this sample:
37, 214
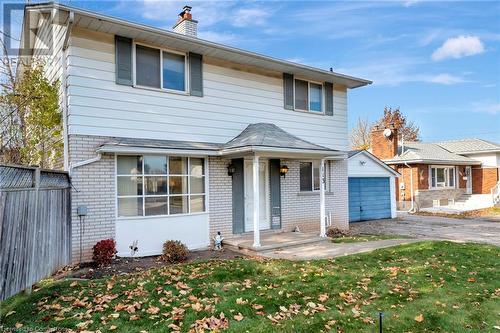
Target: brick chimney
384, 142
185, 24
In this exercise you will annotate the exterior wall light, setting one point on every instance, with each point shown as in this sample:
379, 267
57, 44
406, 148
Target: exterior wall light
283, 170
231, 169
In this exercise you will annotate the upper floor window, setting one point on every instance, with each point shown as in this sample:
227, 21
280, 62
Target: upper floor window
160, 69
442, 177
308, 96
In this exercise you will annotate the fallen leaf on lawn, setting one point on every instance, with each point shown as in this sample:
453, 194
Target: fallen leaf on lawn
323, 297
114, 315
312, 305
471, 279
153, 310
10, 313
419, 318
197, 307
18, 325
134, 317
257, 306
238, 317
453, 268
73, 284
112, 328
241, 301
174, 327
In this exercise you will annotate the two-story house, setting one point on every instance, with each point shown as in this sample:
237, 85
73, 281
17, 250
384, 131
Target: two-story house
168, 136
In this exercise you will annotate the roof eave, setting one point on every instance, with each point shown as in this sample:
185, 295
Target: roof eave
126, 149
426, 161
349, 81
281, 152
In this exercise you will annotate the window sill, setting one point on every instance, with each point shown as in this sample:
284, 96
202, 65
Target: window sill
168, 91
127, 218
312, 193
322, 113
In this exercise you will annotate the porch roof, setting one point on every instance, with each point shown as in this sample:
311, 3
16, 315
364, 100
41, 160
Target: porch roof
261, 138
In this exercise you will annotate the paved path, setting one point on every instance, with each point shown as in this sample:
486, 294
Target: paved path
331, 250
462, 230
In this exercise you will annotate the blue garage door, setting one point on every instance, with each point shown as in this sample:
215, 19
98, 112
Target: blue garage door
369, 198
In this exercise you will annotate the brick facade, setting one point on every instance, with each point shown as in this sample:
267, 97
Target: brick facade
484, 179
93, 186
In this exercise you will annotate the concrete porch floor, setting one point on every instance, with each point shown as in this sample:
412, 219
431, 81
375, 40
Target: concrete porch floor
272, 241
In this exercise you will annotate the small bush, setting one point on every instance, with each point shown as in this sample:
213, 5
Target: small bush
103, 252
174, 251
337, 233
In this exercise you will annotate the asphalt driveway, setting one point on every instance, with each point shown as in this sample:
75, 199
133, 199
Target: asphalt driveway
429, 227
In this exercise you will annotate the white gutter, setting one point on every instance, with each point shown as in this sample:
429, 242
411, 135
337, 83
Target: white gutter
73, 166
412, 208
65, 106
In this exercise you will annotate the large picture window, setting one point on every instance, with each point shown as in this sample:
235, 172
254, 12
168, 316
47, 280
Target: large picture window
153, 185
310, 176
442, 177
160, 69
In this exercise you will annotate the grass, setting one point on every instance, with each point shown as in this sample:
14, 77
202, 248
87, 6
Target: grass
366, 238
421, 287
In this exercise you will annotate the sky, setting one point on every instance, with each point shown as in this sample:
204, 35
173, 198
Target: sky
439, 62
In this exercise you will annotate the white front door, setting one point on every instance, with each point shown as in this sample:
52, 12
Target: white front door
263, 196
468, 184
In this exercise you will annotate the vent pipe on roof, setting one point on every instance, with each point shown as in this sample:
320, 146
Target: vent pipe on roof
185, 24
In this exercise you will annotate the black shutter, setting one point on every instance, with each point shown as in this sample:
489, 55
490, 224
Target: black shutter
123, 69
288, 90
238, 189
196, 74
275, 192
329, 98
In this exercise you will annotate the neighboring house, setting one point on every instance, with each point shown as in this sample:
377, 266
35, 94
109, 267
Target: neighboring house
461, 174
372, 187
168, 136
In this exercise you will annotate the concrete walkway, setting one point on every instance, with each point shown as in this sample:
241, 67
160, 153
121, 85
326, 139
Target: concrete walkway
331, 250
443, 228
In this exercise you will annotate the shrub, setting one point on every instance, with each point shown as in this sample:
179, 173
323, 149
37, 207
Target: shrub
174, 251
104, 251
336, 233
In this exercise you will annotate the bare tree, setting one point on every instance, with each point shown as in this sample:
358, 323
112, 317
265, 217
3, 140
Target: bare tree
408, 130
360, 135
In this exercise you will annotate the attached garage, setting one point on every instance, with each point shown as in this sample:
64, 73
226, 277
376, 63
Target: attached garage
371, 188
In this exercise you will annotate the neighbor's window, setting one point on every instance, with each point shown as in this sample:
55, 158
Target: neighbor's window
308, 96
309, 176
160, 69
442, 177
149, 185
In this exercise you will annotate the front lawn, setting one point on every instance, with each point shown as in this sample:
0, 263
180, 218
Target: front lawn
428, 286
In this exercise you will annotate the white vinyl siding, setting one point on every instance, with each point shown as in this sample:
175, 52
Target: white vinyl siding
231, 100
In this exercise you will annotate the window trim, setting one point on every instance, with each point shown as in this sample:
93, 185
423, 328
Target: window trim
161, 50
447, 177
312, 175
143, 175
322, 112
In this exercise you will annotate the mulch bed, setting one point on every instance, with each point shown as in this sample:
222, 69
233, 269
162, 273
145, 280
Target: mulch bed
130, 265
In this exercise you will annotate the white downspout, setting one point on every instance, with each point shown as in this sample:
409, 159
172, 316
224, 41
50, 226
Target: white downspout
411, 189
64, 65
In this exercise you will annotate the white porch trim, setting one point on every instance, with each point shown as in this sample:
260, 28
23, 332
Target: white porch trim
322, 214
256, 203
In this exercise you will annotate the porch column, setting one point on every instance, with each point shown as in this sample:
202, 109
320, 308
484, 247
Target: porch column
256, 203
322, 213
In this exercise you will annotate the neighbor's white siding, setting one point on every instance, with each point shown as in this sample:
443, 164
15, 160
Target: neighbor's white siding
232, 100
488, 160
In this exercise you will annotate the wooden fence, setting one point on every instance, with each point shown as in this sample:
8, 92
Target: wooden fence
35, 226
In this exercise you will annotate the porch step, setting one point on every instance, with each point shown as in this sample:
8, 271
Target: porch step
272, 242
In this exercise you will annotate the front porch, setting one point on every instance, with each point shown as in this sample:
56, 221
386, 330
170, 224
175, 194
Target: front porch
271, 240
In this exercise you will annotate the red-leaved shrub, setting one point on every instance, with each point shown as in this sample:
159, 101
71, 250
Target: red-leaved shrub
174, 251
104, 251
